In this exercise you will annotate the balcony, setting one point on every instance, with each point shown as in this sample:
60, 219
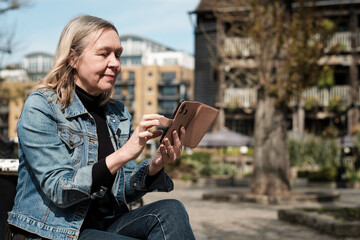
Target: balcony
321, 97
245, 46
124, 98
165, 83
128, 82
240, 98
169, 97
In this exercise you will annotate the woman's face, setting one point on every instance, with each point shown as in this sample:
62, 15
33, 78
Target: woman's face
99, 64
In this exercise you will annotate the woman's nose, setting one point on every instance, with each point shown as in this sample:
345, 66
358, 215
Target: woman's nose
114, 61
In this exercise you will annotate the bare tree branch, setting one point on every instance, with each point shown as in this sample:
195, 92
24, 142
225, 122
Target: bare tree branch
7, 5
7, 37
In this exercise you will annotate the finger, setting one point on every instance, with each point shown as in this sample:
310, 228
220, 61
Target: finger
166, 122
171, 154
156, 133
177, 145
163, 152
177, 141
145, 134
148, 124
153, 116
170, 150
182, 134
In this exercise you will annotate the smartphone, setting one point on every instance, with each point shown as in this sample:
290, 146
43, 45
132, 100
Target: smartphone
196, 118
167, 129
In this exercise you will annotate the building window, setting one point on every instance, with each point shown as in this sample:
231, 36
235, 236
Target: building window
168, 91
136, 61
168, 106
119, 78
149, 90
149, 104
131, 76
169, 77
131, 90
150, 74
118, 90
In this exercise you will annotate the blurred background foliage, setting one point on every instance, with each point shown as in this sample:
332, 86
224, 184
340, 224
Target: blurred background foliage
316, 158
199, 164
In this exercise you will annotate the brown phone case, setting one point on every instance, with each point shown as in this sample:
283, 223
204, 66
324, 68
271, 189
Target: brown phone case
196, 117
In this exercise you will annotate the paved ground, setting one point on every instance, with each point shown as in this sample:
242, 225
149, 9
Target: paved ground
244, 221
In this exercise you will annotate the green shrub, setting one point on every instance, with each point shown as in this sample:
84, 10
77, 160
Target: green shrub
303, 174
312, 104
202, 157
326, 78
314, 151
336, 104
326, 174
199, 164
352, 175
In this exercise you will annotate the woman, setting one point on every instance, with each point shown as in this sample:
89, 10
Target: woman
77, 148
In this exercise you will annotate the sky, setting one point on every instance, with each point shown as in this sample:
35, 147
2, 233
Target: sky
37, 27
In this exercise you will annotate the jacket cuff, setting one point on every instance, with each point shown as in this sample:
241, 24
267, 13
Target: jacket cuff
140, 179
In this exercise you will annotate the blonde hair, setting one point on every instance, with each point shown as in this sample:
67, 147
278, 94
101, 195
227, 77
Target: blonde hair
73, 39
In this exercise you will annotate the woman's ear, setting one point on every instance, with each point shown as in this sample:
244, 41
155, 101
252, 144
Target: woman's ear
72, 58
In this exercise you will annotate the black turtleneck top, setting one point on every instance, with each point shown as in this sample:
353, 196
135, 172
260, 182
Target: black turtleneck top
100, 208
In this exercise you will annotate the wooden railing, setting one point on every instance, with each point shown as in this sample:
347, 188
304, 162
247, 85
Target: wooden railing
246, 97
240, 97
342, 40
324, 96
245, 46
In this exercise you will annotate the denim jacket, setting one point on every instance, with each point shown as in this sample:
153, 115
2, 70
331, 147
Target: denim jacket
57, 150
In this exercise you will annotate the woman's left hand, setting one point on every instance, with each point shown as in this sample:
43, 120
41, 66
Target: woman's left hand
167, 153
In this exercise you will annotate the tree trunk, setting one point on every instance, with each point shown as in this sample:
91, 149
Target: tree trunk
271, 161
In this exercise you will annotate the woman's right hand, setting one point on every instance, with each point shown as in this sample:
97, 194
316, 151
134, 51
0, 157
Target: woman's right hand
137, 142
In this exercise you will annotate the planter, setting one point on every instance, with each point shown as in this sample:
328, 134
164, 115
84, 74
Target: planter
323, 185
355, 185
322, 222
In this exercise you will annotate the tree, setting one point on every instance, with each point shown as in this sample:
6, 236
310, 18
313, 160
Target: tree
273, 46
6, 38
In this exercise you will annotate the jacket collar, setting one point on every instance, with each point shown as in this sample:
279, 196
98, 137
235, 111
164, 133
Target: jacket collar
77, 109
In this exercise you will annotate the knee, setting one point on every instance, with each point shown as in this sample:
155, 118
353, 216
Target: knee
173, 207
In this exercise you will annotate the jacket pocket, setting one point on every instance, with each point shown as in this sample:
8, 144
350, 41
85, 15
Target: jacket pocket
73, 141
